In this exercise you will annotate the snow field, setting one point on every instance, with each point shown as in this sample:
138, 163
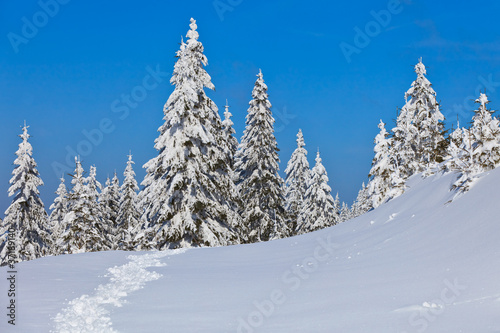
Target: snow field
89, 313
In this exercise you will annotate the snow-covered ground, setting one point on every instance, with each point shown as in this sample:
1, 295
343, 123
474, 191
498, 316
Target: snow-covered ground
416, 264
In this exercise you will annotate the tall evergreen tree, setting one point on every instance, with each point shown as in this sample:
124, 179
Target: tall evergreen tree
257, 164
23, 235
297, 178
129, 216
188, 191
59, 209
419, 135
83, 231
318, 211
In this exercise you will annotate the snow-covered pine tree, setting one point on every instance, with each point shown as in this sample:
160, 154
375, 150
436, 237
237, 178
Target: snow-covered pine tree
187, 195
256, 172
129, 215
480, 144
419, 142
345, 213
232, 142
318, 211
297, 179
59, 209
454, 152
383, 166
83, 232
486, 132
109, 202
24, 235
362, 204
336, 206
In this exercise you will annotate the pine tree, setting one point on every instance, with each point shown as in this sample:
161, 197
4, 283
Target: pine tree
24, 234
109, 203
486, 132
345, 213
454, 151
380, 184
337, 207
362, 204
419, 142
256, 172
480, 145
59, 209
188, 191
83, 231
232, 142
318, 211
297, 178
129, 216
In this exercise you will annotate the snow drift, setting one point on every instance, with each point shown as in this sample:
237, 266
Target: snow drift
420, 263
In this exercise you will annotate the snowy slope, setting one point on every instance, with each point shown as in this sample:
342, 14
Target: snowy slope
415, 264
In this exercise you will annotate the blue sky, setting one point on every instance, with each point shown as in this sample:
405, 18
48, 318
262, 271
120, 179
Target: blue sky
68, 75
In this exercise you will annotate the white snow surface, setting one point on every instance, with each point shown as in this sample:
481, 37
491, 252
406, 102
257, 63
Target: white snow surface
418, 263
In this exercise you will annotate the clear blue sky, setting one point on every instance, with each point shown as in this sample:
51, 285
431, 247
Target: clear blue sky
70, 73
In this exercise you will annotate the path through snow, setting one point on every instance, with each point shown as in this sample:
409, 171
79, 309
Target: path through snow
88, 313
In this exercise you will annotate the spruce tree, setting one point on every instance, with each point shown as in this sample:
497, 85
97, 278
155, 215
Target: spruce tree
486, 132
297, 178
232, 142
419, 142
383, 166
129, 215
59, 209
480, 145
345, 213
23, 234
454, 151
188, 191
109, 201
256, 172
318, 211
83, 231
362, 204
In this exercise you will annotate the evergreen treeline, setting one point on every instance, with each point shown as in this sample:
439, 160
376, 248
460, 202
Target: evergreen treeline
206, 189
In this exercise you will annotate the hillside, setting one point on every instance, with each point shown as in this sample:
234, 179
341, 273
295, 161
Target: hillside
416, 264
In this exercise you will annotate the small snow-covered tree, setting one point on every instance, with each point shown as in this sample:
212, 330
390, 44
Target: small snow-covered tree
59, 209
297, 178
345, 213
188, 191
318, 211
480, 145
486, 132
382, 168
83, 231
129, 215
256, 172
109, 202
232, 142
24, 235
454, 151
362, 204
